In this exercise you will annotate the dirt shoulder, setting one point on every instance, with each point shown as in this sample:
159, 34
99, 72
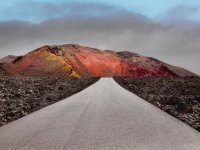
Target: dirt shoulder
180, 97
20, 96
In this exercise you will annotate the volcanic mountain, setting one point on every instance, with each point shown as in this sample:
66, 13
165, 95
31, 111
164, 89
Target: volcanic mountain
79, 61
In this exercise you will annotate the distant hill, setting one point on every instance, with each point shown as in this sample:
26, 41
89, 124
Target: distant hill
8, 58
79, 61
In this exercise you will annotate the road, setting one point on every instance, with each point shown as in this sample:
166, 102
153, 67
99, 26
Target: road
102, 117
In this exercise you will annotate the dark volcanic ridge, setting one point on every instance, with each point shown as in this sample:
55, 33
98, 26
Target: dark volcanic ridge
20, 96
180, 97
80, 61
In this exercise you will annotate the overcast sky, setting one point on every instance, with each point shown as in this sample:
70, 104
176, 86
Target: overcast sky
165, 29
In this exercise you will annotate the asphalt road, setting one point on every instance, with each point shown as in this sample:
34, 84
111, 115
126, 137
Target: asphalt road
102, 117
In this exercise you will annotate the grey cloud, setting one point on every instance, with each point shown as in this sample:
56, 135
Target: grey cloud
73, 9
181, 12
176, 44
37, 11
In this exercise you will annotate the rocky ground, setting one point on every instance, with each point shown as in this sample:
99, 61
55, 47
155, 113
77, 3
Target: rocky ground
20, 96
179, 97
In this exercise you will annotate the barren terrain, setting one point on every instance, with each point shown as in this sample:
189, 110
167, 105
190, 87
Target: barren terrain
179, 97
20, 96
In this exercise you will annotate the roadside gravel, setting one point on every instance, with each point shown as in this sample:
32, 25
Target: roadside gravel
20, 96
180, 97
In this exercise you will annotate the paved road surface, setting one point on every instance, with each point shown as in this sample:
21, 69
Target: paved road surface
102, 117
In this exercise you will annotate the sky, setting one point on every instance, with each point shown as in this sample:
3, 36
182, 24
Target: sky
165, 29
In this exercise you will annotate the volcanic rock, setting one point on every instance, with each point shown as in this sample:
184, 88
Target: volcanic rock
79, 61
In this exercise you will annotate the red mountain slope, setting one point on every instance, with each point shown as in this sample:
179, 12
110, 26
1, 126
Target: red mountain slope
75, 60
40, 62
